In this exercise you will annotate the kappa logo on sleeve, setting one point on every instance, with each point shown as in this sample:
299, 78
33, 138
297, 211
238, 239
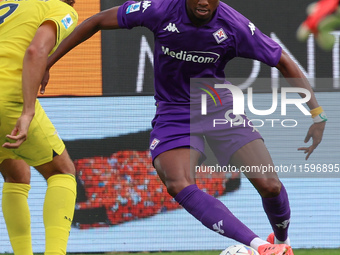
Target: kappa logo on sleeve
133, 8
146, 5
67, 21
252, 27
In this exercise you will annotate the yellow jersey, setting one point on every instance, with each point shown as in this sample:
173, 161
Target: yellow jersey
19, 21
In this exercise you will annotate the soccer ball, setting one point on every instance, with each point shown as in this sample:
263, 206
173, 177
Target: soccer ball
239, 250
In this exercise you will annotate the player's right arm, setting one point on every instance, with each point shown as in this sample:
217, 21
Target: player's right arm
34, 66
101, 21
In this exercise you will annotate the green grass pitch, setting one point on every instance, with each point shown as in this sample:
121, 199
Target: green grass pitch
296, 252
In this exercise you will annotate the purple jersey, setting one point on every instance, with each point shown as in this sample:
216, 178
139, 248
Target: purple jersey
183, 51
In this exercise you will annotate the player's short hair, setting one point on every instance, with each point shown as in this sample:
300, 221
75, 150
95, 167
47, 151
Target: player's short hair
69, 2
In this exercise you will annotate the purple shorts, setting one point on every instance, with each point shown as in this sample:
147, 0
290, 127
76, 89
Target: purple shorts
224, 132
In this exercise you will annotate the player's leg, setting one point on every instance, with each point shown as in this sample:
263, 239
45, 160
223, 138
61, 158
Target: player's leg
240, 144
274, 196
171, 140
59, 202
16, 174
44, 150
176, 169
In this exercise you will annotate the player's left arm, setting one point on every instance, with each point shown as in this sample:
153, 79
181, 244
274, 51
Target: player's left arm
296, 78
34, 66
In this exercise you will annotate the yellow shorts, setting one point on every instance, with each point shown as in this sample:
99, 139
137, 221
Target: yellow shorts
42, 138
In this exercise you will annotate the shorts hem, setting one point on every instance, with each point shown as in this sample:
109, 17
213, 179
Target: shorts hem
174, 145
48, 159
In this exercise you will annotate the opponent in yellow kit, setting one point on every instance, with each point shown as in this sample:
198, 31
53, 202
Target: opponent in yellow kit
30, 30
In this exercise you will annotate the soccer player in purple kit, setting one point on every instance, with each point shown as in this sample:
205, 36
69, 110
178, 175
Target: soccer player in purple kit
196, 39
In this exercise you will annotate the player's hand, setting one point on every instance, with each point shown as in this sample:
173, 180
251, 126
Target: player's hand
19, 133
315, 132
44, 81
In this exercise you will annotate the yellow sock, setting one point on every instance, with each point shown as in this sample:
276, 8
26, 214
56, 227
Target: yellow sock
17, 217
58, 212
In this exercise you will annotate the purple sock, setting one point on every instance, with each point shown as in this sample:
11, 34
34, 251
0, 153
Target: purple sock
278, 212
213, 214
